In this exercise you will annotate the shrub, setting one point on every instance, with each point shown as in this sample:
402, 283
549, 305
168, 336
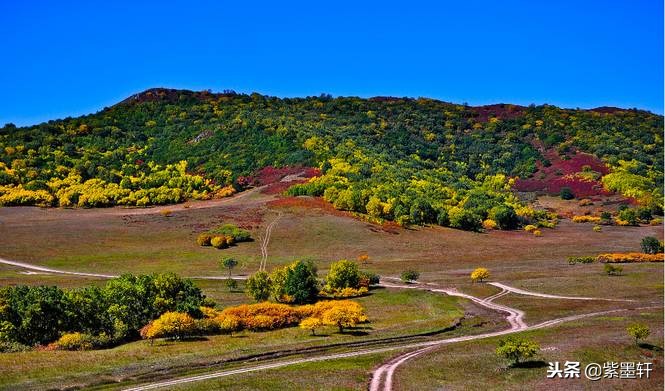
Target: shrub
586, 219
530, 228
516, 349
656, 221
238, 234
574, 260
409, 276
627, 217
343, 314
172, 325
219, 242
651, 245
504, 216
566, 193
256, 317
204, 239
537, 233
597, 228
166, 212
638, 331
74, 341
585, 202
344, 293
363, 258
613, 270
489, 224
480, 274
629, 258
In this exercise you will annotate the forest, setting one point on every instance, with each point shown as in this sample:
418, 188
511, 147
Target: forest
414, 161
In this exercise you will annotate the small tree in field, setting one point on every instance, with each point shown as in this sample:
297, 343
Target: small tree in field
228, 263
638, 331
311, 323
517, 349
480, 274
409, 276
612, 270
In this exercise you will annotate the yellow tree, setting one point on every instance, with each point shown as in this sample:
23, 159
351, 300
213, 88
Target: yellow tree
480, 274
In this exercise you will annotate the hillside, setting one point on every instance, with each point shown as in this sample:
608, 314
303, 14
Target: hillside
409, 160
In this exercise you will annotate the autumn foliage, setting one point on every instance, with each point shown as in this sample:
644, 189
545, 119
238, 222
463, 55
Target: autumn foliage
629, 258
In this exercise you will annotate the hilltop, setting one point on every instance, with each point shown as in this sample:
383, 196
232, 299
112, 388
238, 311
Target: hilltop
415, 161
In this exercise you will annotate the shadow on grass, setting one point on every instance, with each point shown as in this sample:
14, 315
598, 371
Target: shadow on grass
529, 364
651, 347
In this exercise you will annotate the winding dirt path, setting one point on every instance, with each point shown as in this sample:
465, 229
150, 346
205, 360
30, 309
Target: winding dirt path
514, 318
265, 241
383, 375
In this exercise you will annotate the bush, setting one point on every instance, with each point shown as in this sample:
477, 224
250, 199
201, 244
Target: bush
480, 274
597, 228
639, 331
586, 219
219, 242
204, 239
651, 245
530, 228
566, 193
344, 293
613, 270
574, 260
238, 234
172, 325
516, 349
629, 258
74, 341
537, 233
409, 276
489, 224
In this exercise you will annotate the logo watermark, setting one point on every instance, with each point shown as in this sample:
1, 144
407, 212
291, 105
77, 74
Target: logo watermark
595, 371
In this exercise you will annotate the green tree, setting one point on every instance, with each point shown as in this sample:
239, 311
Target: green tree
516, 349
301, 282
343, 274
651, 245
258, 286
229, 264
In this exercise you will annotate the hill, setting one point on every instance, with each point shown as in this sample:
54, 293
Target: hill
409, 160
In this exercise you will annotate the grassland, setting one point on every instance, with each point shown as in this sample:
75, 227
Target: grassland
120, 240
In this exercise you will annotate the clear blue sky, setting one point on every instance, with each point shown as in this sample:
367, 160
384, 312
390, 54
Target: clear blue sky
71, 58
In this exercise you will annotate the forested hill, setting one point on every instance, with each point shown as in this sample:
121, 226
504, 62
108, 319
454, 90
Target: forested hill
411, 160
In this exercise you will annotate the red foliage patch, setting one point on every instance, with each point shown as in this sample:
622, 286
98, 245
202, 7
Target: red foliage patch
268, 175
561, 173
501, 111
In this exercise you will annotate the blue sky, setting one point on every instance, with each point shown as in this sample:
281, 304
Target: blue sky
70, 58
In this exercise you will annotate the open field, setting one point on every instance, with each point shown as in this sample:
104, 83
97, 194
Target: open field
114, 241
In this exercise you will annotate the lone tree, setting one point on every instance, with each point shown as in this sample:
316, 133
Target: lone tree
517, 349
480, 274
612, 270
651, 245
229, 263
638, 331
409, 276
